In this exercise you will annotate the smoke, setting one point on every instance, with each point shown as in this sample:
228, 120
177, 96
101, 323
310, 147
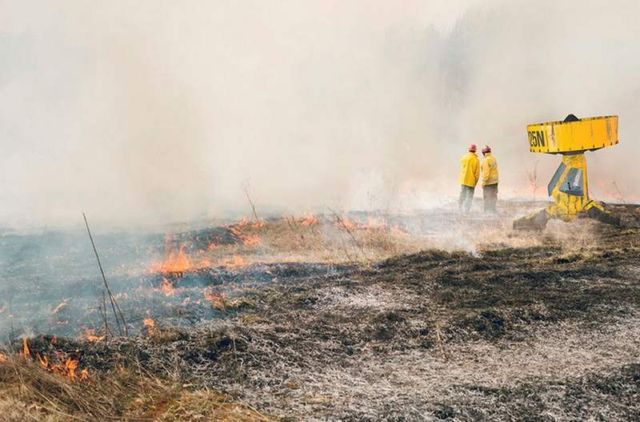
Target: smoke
147, 111
522, 62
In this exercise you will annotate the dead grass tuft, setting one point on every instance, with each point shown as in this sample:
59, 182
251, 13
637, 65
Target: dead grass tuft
30, 393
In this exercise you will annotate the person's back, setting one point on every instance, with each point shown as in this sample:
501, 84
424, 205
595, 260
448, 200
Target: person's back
489, 170
468, 179
489, 179
469, 170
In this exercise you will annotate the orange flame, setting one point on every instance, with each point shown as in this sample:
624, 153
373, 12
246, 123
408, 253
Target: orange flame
246, 222
176, 261
150, 325
66, 369
70, 366
26, 352
217, 300
246, 239
43, 360
251, 240
309, 220
3, 358
347, 223
90, 336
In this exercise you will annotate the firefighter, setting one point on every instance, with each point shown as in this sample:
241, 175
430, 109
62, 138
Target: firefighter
469, 175
489, 179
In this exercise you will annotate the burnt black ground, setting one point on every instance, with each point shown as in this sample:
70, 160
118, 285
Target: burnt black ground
546, 332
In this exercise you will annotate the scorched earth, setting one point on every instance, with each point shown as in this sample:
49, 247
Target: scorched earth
357, 316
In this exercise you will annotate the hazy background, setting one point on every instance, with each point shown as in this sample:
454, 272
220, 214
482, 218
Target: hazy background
148, 110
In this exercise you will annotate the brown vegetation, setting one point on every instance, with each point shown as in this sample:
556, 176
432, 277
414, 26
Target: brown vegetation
519, 326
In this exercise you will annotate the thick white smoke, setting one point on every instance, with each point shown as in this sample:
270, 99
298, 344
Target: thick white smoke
161, 110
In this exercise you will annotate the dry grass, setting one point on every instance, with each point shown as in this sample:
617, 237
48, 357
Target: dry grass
30, 393
525, 326
339, 239
287, 240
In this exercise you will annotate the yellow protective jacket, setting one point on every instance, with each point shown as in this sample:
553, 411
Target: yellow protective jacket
469, 170
489, 170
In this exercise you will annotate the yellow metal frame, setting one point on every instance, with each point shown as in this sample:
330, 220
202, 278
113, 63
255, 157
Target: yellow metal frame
571, 138
581, 135
567, 206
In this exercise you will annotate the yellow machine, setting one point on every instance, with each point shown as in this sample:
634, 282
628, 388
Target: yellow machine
568, 187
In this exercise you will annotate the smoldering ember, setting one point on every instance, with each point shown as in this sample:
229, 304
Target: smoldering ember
319, 210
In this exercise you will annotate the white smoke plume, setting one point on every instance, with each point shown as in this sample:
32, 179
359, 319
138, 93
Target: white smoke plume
139, 111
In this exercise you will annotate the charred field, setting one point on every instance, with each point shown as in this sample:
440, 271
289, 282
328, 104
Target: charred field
428, 316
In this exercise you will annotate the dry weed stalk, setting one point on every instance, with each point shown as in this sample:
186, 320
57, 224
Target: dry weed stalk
253, 206
343, 226
619, 192
117, 312
533, 179
440, 342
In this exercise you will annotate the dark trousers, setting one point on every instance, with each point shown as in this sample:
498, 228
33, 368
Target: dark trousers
490, 196
466, 198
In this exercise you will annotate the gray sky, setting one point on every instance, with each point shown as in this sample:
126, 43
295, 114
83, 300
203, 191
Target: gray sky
144, 111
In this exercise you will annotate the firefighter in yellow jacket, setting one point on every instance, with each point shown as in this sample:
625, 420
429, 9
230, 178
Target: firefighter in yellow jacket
469, 175
489, 179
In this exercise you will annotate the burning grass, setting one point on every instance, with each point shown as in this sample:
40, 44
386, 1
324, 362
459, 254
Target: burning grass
27, 392
328, 239
362, 321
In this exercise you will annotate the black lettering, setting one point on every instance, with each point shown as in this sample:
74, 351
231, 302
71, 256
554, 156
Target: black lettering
541, 140
537, 139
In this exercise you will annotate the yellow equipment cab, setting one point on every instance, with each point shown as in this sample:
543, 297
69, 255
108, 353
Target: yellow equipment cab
568, 187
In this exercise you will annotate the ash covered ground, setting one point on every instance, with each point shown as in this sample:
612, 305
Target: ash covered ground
359, 316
